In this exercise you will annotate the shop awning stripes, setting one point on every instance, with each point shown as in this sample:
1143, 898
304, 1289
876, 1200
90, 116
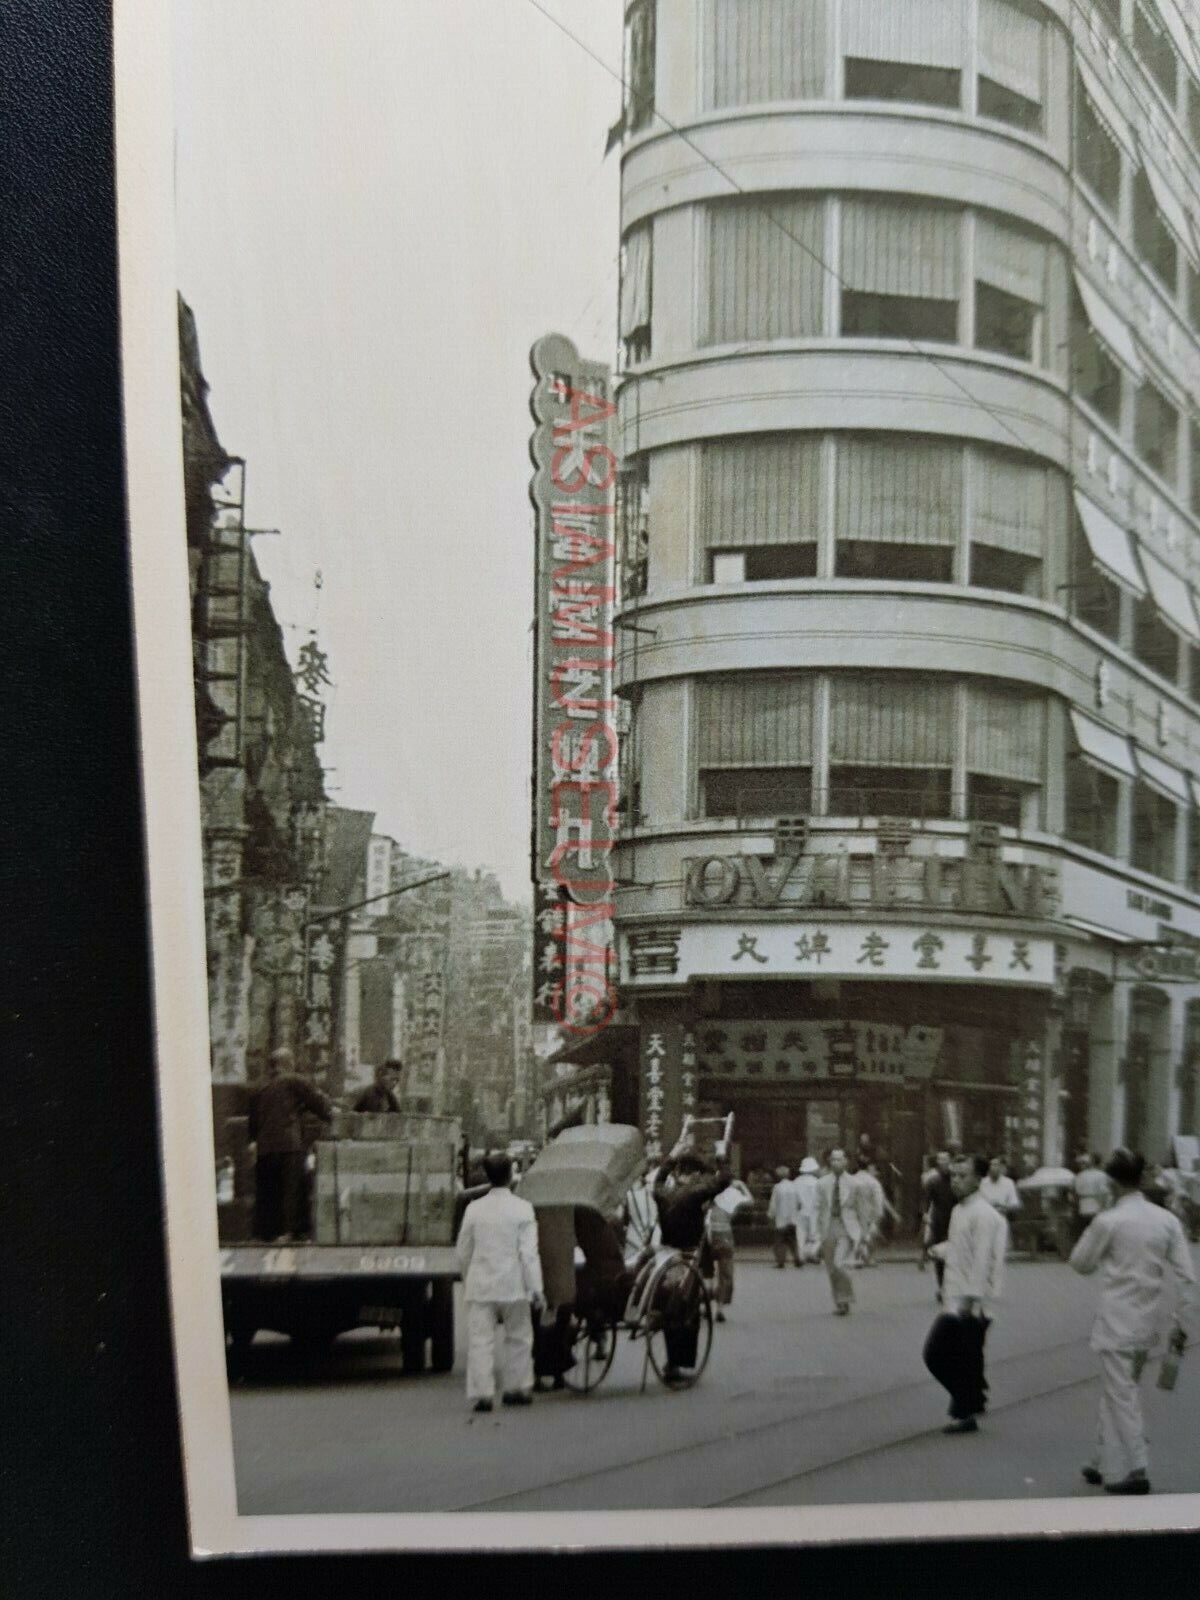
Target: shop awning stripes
1110, 328
1171, 595
1111, 547
1172, 208
1161, 775
1107, 749
1108, 111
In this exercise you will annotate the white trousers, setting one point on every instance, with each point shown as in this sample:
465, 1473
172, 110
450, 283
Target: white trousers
1121, 1436
484, 1319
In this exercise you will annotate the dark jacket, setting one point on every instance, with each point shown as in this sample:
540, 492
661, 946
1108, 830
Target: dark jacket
681, 1207
377, 1100
275, 1114
939, 1199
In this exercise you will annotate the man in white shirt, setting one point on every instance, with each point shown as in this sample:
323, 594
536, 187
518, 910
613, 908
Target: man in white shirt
1135, 1242
1093, 1192
783, 1209
872, 1202
974, 1254
999, 1190
839, 1228
805, 1185
502, 1279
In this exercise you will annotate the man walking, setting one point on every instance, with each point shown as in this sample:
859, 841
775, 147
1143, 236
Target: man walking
783, 1209
502, 1280
805, 1185
999, 1190
973, 1255
872, 1204
276, 1133
1135, 1243
839, 1228
937, 1195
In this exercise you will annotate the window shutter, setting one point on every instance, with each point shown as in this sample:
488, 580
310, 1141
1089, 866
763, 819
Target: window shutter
1005, 732
898, 490
898, 248
911, 31
1011, 47
765, 50
755, 720
635, 281
1010, 498
890, 720
761, 490
1010, 259
765, 277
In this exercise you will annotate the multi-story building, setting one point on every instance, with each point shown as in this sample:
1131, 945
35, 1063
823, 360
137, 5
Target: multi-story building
910, 506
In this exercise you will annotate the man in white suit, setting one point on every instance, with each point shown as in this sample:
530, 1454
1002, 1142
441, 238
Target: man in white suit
502, 1284
839, 1228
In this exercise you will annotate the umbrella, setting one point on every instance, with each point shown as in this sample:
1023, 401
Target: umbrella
1049, 1178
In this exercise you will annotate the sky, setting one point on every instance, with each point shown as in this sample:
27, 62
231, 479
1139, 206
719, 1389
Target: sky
381, 204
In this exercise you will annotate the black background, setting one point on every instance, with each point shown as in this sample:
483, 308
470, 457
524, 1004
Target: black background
91, 1499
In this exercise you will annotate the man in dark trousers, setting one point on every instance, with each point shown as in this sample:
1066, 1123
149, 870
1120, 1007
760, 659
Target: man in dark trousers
381, 1097
974, 1258
684, 1188
275, 1131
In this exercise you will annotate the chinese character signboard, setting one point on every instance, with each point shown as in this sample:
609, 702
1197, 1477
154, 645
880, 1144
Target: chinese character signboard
803, 1051
575, 764
661, 1099
840, 950
424, 1016
550, 907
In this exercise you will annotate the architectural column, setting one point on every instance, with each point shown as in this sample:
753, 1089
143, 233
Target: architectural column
1106, 1049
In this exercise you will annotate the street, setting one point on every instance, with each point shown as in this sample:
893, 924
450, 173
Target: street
797, 1407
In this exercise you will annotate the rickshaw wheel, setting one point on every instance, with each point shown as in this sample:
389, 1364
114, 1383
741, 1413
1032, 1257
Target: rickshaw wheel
656, 1341
593, 1345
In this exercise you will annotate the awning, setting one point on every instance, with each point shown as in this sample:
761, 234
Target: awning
1110, 328
1171, 207
1161, 775
1171, 595
1099, 932
1111, 546
602, 1046
1181, 35
1108, 111
1100, 744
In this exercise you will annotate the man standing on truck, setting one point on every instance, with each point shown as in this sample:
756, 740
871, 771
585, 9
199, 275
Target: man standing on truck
502, 1281
275, 1131
381, 1098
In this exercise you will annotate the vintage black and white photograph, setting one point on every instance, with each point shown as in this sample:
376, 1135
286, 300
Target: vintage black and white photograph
669, 640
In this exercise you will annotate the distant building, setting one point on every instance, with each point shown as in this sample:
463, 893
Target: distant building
910, 327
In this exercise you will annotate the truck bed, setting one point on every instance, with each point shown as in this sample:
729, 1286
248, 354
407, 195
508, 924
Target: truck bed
315, 1261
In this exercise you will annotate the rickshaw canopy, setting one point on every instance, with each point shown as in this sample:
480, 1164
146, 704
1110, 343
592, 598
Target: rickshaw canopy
592, 1166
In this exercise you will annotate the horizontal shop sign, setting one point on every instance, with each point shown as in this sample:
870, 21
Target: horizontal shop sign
861, 949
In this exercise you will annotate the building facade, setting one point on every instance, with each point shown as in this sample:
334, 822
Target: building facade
909, 536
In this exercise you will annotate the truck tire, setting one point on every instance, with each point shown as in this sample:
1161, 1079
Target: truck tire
441, 1326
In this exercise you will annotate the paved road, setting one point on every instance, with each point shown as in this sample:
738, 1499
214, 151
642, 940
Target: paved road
797, 1408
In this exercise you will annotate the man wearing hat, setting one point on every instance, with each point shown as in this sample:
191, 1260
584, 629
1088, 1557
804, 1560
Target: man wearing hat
783, 1209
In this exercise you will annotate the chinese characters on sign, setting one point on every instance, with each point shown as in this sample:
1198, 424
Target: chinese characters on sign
425, 1014
575, 739
801, 1050
311, 675
668, 1055
840, 950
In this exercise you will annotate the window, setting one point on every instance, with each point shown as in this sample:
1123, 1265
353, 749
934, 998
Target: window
754, 733
898, 563
1154, 643
1001, 569
995, 800
898, 80
764, 271
765, 50
889, 792
1192, 296
761, 564
1194, 487
1004, 323
1094, 597
1193, 682
1092, 800
756, 792
1097, 152
1111, 11
640, 30
633, 526
1193, 854
636, 291
1155, 819
1153, 45
1096, 376
1152, 237
901, 269
897, 507
1193, 110
1156, 432
1012, 43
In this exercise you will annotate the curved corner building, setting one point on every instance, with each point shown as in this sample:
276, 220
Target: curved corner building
910, 528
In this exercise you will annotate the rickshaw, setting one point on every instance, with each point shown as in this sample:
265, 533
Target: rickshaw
579, 1186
